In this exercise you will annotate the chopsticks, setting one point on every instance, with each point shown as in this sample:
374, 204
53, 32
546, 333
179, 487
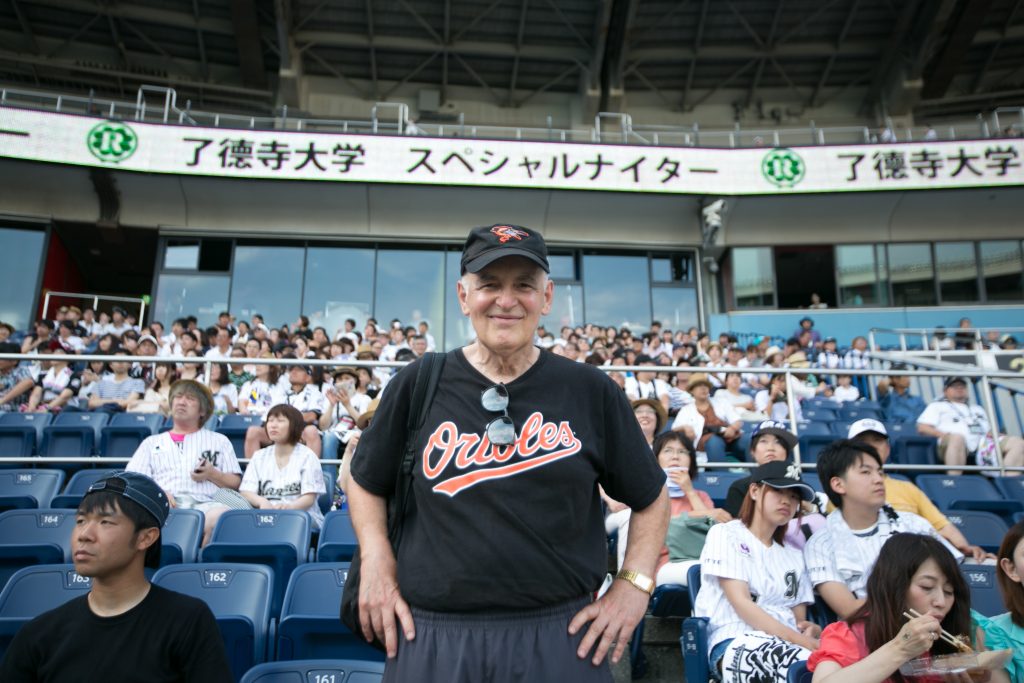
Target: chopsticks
945, 635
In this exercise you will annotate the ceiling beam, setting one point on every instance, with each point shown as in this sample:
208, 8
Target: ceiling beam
139, 12
840, 39
524, 5
204, 65
370, 35
889, 64
247, 36
979, 79
462, 47
289, 57
819, 48
944, 67
692, 68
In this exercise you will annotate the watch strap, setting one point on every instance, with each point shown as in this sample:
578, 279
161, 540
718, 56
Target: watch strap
640, 581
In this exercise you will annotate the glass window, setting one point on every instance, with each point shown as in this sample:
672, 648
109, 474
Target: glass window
675, 307
339, 285
267, 280
1001, 268
410, 286
912, 275
617, 291
181, 255
563, 267
661, 269
958, 272
883, 274
753, 279
457, 329
672, 268
856, 275
566, 308
203, 296
21, 256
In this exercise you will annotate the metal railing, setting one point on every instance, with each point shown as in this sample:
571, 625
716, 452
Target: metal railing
169, 112
985, 377
96, 299
924, 335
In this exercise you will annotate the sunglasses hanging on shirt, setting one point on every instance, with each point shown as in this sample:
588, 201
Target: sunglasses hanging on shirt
501, 431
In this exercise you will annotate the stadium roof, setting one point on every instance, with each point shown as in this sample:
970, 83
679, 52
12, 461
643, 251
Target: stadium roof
932, 57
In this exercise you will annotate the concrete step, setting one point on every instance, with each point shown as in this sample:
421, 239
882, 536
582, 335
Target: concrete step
661, 650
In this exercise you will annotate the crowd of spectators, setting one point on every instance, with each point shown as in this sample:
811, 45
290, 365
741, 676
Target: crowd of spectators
698, 397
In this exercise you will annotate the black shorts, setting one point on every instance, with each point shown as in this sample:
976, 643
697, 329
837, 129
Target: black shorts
529, 645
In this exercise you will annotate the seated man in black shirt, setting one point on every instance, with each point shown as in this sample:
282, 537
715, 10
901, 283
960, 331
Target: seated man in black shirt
124, 629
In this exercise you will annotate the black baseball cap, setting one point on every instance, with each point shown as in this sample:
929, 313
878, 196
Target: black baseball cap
950, 381
485, 245
143, 491
782, 475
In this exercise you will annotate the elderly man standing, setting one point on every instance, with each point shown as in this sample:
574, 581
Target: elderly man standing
497, 568
188, 462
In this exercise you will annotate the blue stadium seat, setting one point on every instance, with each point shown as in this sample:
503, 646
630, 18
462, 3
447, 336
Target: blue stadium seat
122, 436
34, 590
895, 429
980, 528
73, 434
818, 414
23, 489
693, 582
822, 402
668, 601
798, 673
326, 499
716, 483
985, 595
814, 429
76, 488
21, 434
30, 537
867, 403
235, 426
840, 428
238, 595
309, 626
1012, 488
813, 444
911, 449
337, 538
694, 639
854, 412
180, 537
277, 538
317, 671
811, 477
968, 492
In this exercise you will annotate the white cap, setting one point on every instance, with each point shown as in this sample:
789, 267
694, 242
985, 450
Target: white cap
866, 425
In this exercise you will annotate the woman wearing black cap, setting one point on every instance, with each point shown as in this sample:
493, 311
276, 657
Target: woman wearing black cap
754, 589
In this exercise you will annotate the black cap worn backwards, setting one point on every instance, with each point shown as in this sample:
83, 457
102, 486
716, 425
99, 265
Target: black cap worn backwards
486, 245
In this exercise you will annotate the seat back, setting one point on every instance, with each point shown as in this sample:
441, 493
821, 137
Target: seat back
309, 626
73, 434
1012, 488
77, 486
944, 490
277, 538
34, 590
855, 411
337, 538
233, 423
327, 497
180, 537
317, 671
985, 595
798, 673
239, 597
21, 434
813, 444
33, 537
980, 528
911, 449
35, 421
21, 489
814, 429
693, 582
840, 428
818, 414
150, 421
716, 483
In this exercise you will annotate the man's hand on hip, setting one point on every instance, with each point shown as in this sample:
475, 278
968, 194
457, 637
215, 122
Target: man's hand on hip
612, 620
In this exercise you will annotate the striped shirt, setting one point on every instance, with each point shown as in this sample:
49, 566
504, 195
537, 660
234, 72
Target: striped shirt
109, 388
171, 464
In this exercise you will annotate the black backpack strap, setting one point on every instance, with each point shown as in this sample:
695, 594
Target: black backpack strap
428, 376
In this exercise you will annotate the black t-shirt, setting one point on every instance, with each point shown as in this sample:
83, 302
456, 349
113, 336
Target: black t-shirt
514, 527
166, 637
735, 495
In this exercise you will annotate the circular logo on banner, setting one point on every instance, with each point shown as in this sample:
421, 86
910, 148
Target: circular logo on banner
112, 141
783, 167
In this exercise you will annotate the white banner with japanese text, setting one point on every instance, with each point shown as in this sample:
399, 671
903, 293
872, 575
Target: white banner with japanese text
291, 155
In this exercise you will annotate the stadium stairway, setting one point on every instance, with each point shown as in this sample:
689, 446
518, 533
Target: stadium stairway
661, 648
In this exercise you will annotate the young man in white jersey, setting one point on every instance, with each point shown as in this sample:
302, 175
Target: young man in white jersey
191, 464
840, 555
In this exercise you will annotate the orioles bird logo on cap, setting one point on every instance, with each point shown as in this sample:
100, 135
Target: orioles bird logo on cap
507, 232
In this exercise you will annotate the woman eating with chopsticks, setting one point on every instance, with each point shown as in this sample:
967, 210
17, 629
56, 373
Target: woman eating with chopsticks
917, 608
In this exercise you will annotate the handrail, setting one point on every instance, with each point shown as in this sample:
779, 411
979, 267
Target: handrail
984, 375
925, 332
95, 301
681, 136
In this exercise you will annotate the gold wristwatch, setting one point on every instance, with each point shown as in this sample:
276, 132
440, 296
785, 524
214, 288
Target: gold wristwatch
641, 581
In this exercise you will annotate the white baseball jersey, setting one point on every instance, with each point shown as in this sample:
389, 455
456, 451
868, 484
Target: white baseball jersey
969, 421
306, 400
261, 396
302, 475
775, 575
837, 553
170, 464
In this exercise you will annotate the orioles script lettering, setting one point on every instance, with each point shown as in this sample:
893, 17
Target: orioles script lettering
539, 443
